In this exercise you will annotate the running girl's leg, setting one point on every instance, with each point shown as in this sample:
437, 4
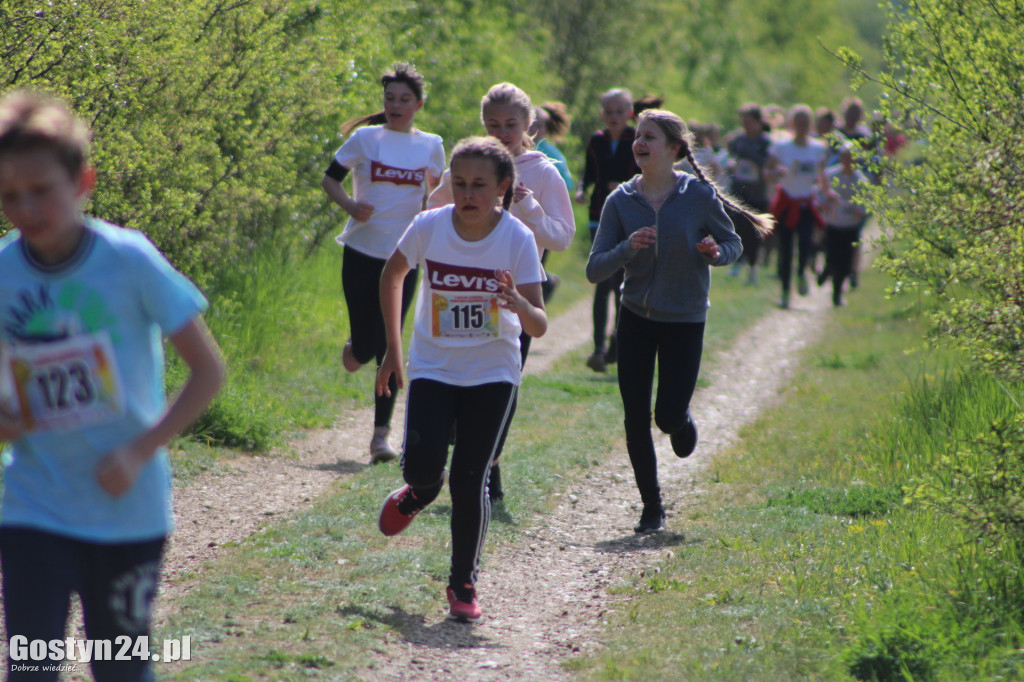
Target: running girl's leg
481, 416
842, 243
360, 281
805, 242
40, 571
600, 312
429, 417
680, 345
611, 354
784, 258
638, 348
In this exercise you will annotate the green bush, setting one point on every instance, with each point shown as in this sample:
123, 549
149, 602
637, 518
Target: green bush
956, 219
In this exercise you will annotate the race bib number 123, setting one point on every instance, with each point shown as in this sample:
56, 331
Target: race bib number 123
67, 384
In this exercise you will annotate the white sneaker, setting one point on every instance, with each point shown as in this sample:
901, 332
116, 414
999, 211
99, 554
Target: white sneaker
380, 450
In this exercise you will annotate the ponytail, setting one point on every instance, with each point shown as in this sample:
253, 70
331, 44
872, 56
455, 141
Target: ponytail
376, 119
763, 223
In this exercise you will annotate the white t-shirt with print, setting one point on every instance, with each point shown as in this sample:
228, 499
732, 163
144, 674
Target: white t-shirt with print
461, 335
390, 172
801, 163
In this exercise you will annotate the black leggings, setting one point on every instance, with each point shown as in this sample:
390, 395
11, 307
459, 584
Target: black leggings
479, 414
804, 233
749, 236
360, 280
840, 243
116, 584
677, 346
613, 286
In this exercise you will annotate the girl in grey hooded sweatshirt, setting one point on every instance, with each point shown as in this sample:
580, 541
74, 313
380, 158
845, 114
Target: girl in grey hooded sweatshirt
666, 228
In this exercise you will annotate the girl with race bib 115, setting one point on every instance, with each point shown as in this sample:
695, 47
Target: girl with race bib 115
481, 288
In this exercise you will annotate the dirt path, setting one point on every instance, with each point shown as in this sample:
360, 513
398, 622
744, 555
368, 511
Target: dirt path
248, 492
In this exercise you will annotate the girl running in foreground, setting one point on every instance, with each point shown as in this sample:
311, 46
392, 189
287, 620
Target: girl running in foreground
87, 481
481, 288
665, 228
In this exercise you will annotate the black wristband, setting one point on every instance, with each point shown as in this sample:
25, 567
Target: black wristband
336, 171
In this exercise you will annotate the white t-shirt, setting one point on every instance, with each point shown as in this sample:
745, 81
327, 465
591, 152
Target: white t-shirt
390, 172
461, 336
801, 164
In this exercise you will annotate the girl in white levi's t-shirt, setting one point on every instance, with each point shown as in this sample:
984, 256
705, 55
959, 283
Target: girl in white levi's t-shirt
393, 165
464, 364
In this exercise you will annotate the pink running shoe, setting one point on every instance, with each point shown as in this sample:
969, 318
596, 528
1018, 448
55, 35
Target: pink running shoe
463, 605
399, 509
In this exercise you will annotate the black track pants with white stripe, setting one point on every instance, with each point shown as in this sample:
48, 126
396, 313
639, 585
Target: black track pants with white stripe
479, 414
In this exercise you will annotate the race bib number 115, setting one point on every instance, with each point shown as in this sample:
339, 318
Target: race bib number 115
67, 384
464, 315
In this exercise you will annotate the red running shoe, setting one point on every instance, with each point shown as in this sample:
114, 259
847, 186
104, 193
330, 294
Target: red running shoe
399, 509
463, 605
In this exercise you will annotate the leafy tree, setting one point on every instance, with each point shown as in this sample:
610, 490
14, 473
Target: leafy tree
956, 219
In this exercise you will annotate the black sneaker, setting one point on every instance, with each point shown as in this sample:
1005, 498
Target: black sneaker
494, 490
684, 441
652, 520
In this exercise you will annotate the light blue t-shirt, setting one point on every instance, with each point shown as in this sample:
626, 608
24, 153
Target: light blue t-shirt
117, 288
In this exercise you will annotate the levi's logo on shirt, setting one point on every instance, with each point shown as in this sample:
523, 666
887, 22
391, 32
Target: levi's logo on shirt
444, 277
380, 172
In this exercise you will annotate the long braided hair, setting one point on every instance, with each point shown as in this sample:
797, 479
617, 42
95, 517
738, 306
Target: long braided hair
676, 132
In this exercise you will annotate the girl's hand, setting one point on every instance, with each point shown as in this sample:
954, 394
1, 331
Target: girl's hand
509, 297
359, 210
520, 192
709, 247
581, 197
643, 238
391, 364
118, 471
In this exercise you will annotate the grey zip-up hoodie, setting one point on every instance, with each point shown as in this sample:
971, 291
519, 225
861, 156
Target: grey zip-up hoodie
668, 281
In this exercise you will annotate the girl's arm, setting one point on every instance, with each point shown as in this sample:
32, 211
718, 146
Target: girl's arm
612, 247
360, 210
118, 470
526, 301
548, 213
391, 280
773, 170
